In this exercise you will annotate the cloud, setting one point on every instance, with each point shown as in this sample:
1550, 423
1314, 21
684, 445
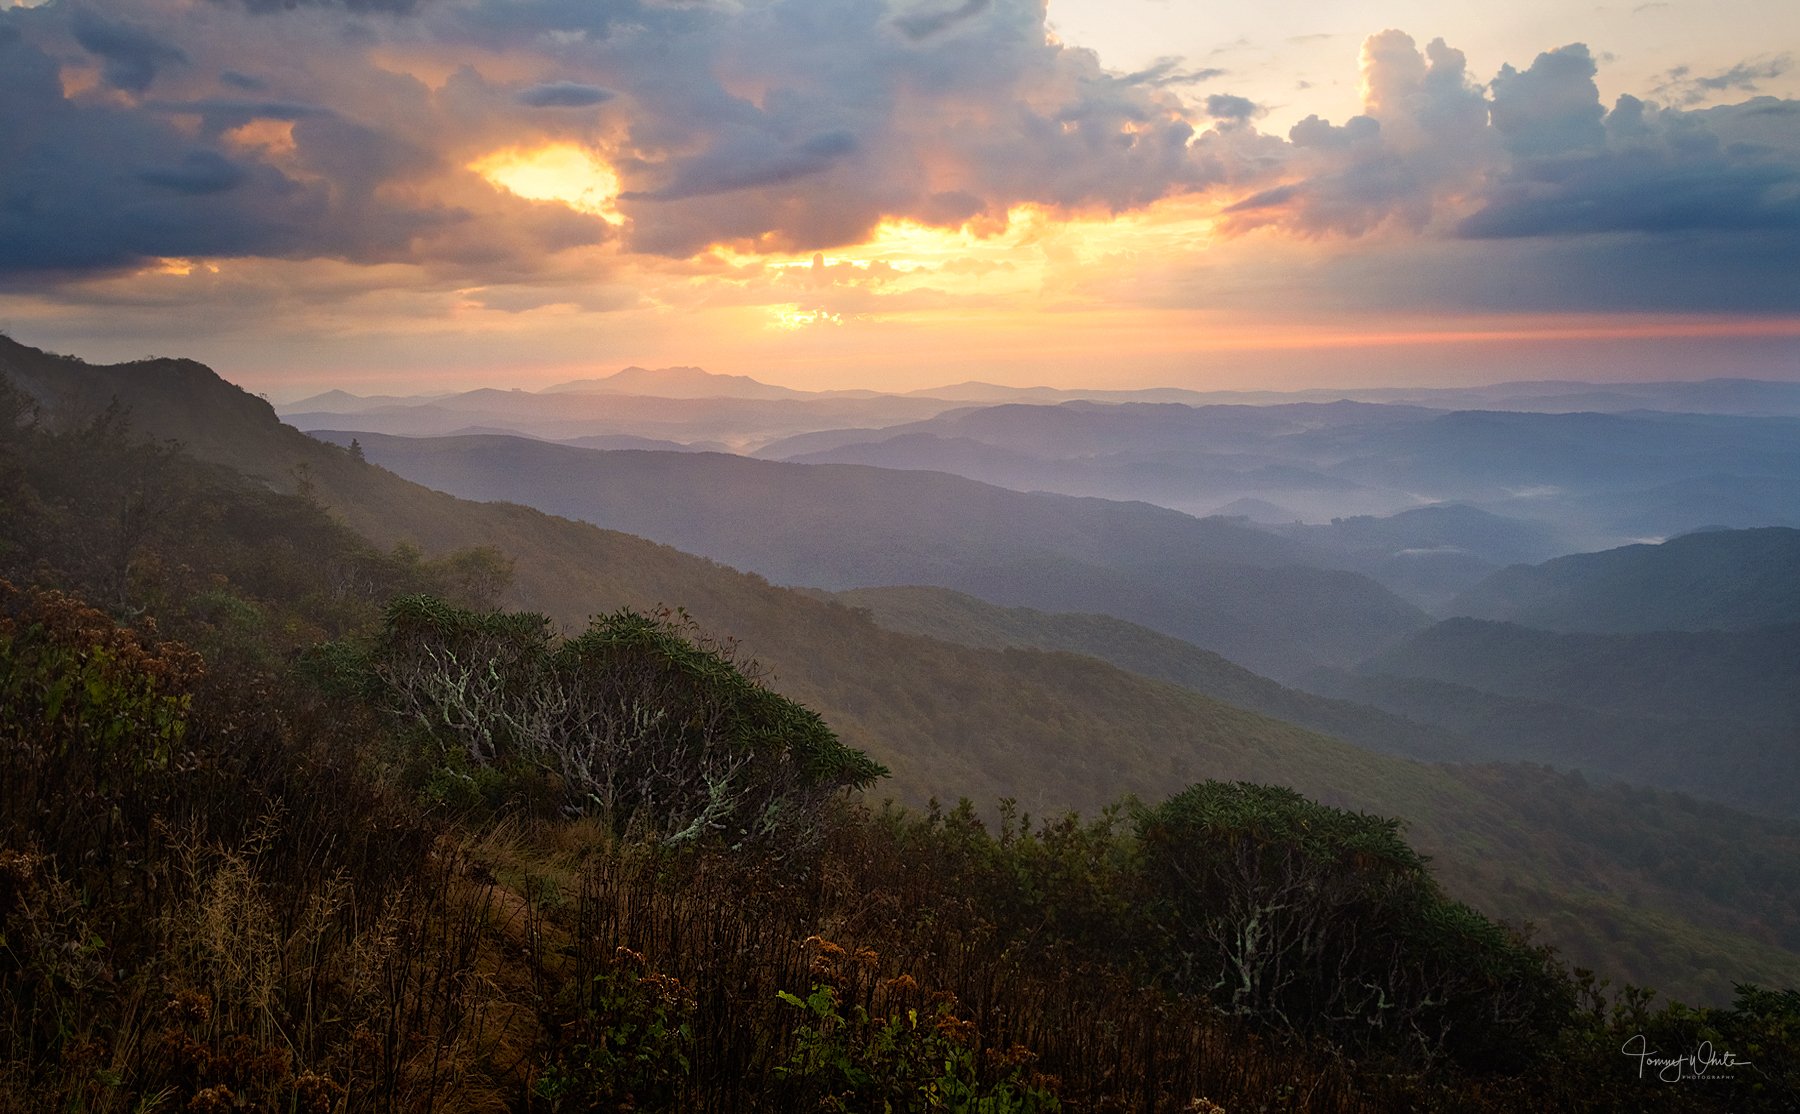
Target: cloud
267, 7
1654, 172
198, 172
1552, 107
262, 129
924, 24
1423, 134
1166, 72
1683, 87
99, 184
564, 94
728, 170
132, 55
1534, 154
242, 81
1225, 106
220, 115
821, 119
1720, 272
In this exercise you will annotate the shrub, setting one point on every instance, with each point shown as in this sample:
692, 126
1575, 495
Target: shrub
630, 1046
641, 724
1309, 917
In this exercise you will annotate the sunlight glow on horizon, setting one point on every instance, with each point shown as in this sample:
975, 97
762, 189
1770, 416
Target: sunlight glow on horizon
783, 200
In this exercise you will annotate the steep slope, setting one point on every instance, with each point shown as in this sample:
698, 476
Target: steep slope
1243, 592
1057, 731
1710, 580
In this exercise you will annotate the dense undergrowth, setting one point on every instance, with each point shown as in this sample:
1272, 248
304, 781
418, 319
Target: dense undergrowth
253, 857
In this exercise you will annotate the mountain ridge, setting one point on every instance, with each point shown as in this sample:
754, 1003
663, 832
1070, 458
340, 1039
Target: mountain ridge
1271, 603
1708, 579
1053, 730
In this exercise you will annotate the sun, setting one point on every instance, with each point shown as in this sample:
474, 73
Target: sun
561, 172
792, 317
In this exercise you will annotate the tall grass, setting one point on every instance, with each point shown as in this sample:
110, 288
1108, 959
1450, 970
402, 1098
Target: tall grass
217, 895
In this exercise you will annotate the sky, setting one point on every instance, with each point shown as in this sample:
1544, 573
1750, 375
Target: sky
409, 195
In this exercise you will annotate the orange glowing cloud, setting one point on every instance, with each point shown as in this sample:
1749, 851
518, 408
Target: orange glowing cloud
561, 172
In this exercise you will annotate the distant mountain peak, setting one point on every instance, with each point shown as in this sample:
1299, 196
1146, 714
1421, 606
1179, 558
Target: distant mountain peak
674, 382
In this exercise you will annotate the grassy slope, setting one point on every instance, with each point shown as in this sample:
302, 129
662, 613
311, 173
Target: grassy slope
1055, 731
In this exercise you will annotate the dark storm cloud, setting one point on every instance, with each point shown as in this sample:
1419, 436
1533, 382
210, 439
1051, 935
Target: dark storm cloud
564, 94
1686, 272
198, 172
752, 168
1653, 190
1649, 170
131, 55
218, 116
95, 185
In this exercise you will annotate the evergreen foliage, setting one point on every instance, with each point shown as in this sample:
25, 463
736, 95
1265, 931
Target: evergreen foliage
1313, 917
640, 720
227, 881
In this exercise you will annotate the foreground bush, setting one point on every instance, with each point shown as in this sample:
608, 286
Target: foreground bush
638, 721
1315, 918
216, 896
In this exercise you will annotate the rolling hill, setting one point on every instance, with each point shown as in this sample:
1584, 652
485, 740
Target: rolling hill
1708, 580
741, 422
954, 617
673, 382
1254, 597
1715, 713
1591, 480
1600, 868
1431, 554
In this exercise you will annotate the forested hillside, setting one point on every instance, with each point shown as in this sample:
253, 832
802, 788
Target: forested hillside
1259, 599
1709, 580
1051, 730
953, 617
